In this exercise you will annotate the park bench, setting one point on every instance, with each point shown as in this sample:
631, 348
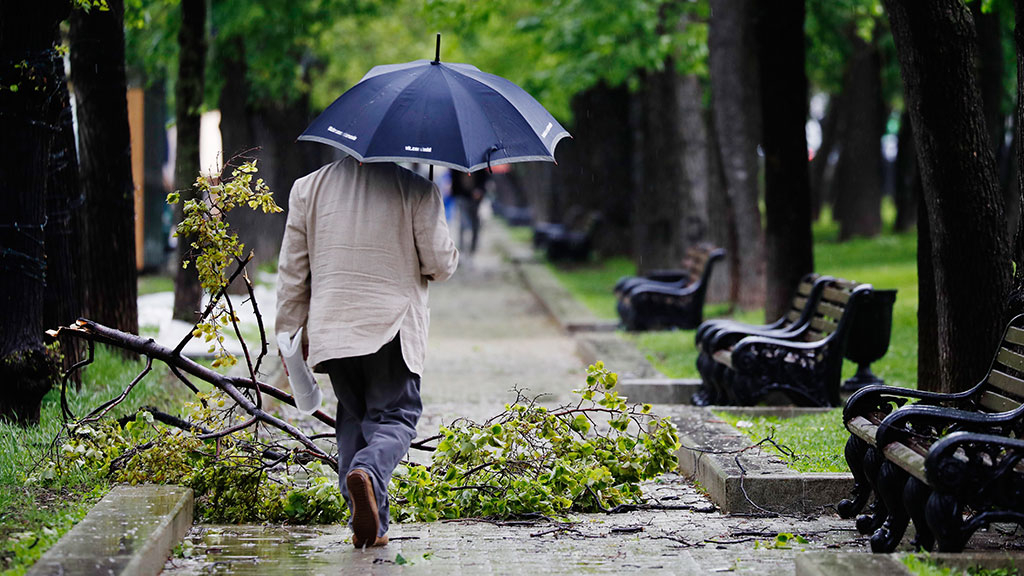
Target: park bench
719, 333
572, 245
806, 364
673, 299
543, 231
930, 460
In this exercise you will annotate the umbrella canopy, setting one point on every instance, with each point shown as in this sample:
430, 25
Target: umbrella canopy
438, 113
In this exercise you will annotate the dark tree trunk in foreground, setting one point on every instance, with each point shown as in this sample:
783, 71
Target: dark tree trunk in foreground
858, 182
64, 201
970, 259
1016, 301
989, 68
929, 367
602, 180
788, 246
188, 102
656, 208
28, 33
733, 69
908, 179
104, 144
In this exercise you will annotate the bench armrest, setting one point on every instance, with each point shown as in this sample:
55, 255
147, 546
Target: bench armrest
952, 474
661, 290
877, 396
710, 331
894, 425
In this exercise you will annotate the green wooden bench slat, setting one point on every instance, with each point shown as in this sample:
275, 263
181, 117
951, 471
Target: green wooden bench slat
1015, 335
830, 310
863, 428
1011, 359
723, 357
823, 325
907, 458
997, 402
1006, 383
832, 294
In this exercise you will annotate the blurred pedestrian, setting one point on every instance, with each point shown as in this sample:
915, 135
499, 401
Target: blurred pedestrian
468, 190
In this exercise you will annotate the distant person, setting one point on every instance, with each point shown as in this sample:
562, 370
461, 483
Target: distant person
361, 243
468, 190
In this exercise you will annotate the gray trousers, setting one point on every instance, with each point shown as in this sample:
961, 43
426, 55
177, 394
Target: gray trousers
378, 408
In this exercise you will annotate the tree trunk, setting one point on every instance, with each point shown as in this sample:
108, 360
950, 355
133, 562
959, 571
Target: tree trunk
789, 247
657, 208
721, 227
989, 70
858, 203
929, 369
189, 100
820, 174
936, 49
64, 200
104, 151
1016, 301
908, 179
734, 85
28, 34
696, 177
602, 179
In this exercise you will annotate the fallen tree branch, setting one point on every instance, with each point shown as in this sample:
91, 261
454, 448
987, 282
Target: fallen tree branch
94, 332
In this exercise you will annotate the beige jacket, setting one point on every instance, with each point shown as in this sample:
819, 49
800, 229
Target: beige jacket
360, 244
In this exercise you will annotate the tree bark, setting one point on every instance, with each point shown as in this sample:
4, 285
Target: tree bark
62, 300
789, 247
657, 207
1015, 305
104, 150
188, 104
858, 202
29, 61
734, 85
935, 44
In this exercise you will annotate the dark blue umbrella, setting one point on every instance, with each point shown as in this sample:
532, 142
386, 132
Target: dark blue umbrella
438, 113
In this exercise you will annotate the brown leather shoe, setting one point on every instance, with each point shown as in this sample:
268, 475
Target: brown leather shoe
365, 520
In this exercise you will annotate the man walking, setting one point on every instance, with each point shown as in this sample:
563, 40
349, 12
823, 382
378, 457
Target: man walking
360, 245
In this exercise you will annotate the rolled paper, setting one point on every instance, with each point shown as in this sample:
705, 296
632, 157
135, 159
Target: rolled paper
300, 377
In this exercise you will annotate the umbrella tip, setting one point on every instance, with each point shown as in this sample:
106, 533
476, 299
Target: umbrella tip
437, 49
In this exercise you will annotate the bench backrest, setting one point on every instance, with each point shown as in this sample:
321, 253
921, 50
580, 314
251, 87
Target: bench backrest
697, 260
828, 312
1002, 389
804, 292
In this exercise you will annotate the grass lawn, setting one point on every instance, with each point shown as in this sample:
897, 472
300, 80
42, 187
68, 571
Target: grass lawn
813, 438
153, 283
34, 517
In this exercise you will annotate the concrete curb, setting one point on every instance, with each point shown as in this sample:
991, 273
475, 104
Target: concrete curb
659, 390
130, 532
751, 481
850, 563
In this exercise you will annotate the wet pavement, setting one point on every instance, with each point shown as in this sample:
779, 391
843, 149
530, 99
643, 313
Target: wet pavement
488, 335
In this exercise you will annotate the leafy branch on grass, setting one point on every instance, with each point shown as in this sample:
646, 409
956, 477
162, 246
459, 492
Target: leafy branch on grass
247, 463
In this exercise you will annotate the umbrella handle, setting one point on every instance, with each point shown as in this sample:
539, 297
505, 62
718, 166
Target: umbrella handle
489, 152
